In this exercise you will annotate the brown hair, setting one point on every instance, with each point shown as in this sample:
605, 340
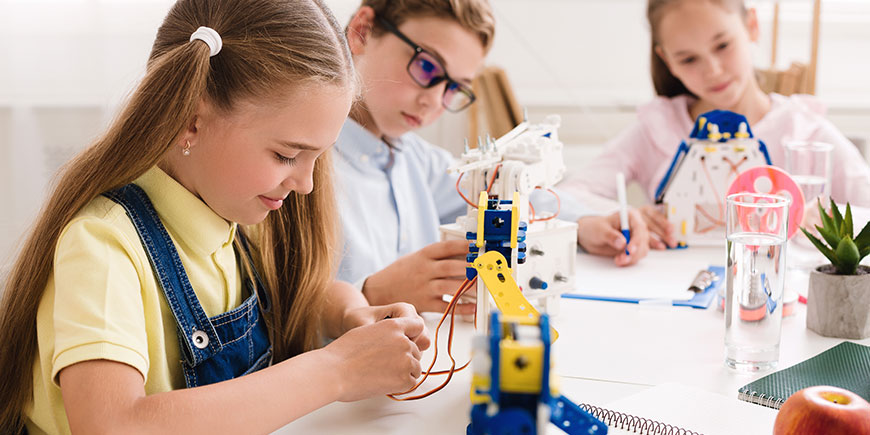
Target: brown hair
664, 82
268, 45
473, 15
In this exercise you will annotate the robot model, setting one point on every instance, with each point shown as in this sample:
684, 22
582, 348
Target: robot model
692, 192
539, 249
511, 388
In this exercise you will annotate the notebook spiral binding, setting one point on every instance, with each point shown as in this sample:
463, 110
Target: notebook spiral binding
761, 399
634, 423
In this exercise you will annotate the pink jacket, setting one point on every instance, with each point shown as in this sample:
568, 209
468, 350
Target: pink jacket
645, 150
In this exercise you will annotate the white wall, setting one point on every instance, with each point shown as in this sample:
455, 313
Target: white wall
65, 65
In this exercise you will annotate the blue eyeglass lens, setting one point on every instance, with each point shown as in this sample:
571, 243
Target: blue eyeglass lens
426, 70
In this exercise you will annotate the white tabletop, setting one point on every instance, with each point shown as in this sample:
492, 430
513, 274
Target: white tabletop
606, 351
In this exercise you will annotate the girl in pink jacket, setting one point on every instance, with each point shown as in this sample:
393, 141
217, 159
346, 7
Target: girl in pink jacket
701, 60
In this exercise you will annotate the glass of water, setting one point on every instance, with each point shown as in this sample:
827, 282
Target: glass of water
809, 164
756, 227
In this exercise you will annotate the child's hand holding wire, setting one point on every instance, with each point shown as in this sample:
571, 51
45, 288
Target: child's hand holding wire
378, 358
368, 315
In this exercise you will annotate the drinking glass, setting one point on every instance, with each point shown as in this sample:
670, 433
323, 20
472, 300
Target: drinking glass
809, 164
756, 228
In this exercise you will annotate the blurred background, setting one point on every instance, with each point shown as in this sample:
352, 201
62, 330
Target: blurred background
66, 66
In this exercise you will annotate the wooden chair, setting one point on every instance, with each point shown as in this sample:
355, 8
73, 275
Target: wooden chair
496, 110
798, 78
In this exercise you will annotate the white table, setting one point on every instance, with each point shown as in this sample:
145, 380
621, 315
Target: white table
605, 351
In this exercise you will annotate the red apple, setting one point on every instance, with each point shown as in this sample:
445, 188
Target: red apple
823, 410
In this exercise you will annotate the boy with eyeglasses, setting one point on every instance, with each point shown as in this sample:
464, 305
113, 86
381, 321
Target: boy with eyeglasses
416, 58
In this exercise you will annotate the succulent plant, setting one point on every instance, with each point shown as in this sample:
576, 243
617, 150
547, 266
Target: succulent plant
841, 249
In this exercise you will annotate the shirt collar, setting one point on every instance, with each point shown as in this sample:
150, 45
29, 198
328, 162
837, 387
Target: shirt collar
361, 148
187, 217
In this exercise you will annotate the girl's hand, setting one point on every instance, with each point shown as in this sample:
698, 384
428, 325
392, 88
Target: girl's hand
378, 358
662, 231
601, 235
361, 316
422, 278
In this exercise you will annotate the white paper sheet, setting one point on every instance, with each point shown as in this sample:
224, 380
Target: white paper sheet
662, 275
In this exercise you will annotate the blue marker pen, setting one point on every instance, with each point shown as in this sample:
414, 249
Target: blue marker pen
623, 208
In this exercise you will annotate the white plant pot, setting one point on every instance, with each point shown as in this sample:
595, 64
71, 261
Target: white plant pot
839, 305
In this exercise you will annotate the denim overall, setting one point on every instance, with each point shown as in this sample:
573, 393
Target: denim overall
215, 349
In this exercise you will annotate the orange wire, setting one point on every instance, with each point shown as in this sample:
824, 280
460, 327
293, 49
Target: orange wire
451, 309
459, 191
488, 187
558, 208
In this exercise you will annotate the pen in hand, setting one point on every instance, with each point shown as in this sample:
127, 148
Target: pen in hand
623, 209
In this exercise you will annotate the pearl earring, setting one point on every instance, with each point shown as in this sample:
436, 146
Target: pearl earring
186, 150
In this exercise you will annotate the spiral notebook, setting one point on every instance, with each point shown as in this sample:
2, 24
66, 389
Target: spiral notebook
845, 365
682, 409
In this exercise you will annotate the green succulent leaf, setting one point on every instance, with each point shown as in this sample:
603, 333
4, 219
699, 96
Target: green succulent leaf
838, 218
827, 222
829, 235
863, 239
847, 221
848, 255
826, 251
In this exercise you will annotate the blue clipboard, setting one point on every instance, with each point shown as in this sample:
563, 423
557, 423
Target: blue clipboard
700, 300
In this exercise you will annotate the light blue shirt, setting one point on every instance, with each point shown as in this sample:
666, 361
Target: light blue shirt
392, 199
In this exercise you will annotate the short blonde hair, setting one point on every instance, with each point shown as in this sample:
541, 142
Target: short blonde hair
473, 15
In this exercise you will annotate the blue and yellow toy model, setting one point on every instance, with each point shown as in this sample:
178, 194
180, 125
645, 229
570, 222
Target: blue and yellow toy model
511, 391
692, 192
498, 229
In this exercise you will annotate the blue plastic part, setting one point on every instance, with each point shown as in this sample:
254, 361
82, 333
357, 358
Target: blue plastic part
470, 273
494, 356
512, 421
479, 420
497, 223
726, 121
545, 374
572, 419
763, 148
537, 283
660, 191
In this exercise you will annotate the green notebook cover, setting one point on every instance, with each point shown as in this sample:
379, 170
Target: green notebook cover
846, 365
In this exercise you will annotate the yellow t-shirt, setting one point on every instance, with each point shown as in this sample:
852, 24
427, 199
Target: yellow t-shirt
103, 301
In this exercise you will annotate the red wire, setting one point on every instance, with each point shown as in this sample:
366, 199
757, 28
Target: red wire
451, 309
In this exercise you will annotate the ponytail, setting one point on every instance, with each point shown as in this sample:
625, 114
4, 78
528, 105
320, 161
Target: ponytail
156, 113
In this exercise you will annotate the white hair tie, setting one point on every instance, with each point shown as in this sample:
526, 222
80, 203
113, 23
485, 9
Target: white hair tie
210, 37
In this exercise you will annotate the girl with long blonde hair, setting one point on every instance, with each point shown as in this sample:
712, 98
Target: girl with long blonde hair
179, 277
